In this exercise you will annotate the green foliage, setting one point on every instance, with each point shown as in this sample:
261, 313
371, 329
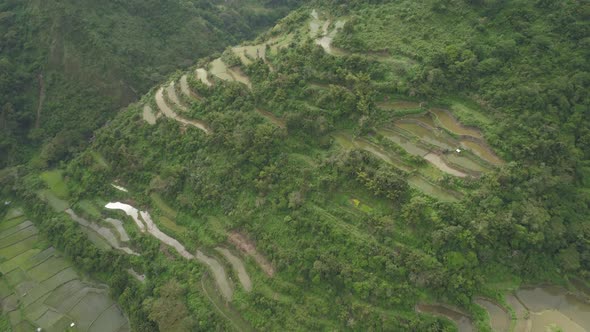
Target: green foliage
341, 266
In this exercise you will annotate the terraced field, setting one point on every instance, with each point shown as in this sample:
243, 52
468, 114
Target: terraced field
41, 289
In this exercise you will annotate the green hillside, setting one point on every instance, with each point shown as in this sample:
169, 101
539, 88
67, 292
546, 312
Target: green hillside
363, 165
67, 66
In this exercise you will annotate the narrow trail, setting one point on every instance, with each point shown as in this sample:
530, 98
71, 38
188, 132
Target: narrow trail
41, 100
168, 112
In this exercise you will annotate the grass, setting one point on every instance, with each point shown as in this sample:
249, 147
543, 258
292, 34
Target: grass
89, 208
59, 205
55, 182
166, 209
171, 225
99, 159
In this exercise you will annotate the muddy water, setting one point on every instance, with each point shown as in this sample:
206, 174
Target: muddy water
202, 75
450, 123
437, 161
218, 273
148, 115
424, 118
523, 321
171, 114
482, 151
463, 322
499, 318
239, 267
405, 143
428, 136
554, 306
467, 163
429, 189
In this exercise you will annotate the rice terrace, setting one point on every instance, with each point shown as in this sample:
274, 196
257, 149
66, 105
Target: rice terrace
295, 165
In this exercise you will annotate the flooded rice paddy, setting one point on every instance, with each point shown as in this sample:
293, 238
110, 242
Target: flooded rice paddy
184, 87
463, 322
450, 123
168, 112
554, 307
203, 76
500, 320
239, 267
214, 265
42, 289
438, 161
171, 93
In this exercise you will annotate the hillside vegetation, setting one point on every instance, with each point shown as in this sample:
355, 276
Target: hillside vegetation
356, 167
67, 66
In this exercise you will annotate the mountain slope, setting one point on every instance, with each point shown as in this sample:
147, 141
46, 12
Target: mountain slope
360, 173
92, 58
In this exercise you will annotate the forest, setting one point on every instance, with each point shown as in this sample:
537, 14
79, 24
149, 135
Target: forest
346, 169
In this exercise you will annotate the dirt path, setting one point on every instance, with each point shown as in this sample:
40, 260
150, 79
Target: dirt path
168, 112
246, 246
238, 266
41, 100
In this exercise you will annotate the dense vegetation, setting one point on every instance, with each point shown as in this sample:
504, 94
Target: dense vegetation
67, 66
354, 245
